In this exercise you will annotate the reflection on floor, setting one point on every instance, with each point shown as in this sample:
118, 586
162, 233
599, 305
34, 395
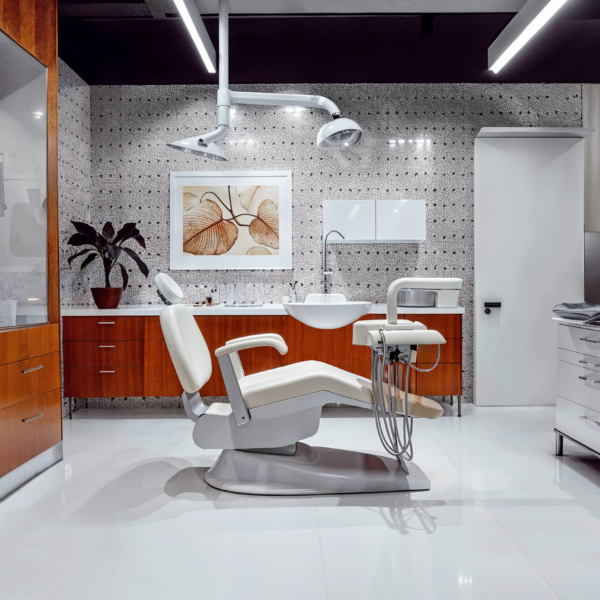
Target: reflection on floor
127, 516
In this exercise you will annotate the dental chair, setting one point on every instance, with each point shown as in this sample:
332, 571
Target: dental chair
268, 413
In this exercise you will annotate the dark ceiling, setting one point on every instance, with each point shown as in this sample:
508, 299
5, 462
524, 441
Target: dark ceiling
139, 50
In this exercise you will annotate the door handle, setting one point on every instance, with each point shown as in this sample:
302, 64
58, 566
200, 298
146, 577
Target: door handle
590, 421
588, 379
489, 305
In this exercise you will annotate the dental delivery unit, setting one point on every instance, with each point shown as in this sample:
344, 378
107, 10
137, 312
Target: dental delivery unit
269, 413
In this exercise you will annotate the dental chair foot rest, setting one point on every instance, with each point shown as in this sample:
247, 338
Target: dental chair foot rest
312, 470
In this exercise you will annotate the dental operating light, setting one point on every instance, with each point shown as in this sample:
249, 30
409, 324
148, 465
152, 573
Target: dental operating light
340, 132
530, 19
193, 21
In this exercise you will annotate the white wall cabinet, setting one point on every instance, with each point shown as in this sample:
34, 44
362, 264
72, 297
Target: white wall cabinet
368, 221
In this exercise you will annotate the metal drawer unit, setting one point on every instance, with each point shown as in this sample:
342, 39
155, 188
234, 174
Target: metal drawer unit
578, 387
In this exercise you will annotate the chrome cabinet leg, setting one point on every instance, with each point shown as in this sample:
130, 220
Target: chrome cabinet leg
559, 444
459, 398
70, 408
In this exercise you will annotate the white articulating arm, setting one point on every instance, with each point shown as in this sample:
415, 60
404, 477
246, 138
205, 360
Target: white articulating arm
304, 100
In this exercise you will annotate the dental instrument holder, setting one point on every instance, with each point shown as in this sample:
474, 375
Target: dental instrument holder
392, 355
447, 290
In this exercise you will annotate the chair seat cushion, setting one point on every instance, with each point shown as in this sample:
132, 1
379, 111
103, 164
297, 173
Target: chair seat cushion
308, 377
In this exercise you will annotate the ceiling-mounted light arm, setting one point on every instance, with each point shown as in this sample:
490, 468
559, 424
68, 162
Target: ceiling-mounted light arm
304, 100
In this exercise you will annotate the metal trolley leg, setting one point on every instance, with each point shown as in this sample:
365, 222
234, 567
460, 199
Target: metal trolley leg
559, 444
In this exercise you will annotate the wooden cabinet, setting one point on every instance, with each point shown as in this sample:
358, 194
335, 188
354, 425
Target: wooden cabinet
127, 356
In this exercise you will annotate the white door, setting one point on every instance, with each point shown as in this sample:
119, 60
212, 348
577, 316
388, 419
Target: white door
529, 234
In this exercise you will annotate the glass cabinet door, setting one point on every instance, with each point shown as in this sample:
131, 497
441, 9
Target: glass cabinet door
23, 187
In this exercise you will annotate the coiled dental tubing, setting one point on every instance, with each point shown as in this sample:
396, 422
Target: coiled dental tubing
385, 364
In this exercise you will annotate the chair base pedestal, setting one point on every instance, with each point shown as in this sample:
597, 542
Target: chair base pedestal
312, 470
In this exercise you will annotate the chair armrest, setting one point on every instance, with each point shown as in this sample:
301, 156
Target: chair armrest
257, 342
274, 336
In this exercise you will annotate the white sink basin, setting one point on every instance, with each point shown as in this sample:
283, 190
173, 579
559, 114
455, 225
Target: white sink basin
327, 311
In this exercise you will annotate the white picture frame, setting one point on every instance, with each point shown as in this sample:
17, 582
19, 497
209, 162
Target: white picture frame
181, 260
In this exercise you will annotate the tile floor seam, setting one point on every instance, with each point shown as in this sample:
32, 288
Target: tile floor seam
515, 543
321, 548
96, 544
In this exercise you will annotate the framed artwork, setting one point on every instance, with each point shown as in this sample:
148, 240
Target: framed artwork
231, 220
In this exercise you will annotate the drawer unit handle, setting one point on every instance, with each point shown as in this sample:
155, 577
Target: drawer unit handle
34, 369
588, 379
106, 371
591, 341
590, 421
32, 418
583, 362
113, 347
106, 322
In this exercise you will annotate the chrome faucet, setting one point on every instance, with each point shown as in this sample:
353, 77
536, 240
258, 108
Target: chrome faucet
327, 284
292, 296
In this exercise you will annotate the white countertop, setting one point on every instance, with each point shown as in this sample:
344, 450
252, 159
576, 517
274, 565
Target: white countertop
153, 310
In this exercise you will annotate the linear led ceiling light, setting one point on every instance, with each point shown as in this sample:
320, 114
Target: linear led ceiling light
338, 133
530, 19
193, 21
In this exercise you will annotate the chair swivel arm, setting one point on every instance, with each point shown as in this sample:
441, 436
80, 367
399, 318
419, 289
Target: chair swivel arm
256, 342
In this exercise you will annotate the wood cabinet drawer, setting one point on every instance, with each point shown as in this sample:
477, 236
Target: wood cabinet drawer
103, 354
444, 380
450, 326
98, 382
84, 329
160, 377
578, 339
27, 378
583, 391
28, 429
579, 422
19, 344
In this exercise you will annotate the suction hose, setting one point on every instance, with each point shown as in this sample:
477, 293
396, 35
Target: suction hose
385, 364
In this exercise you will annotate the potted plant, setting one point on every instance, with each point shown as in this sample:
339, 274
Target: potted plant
109, 246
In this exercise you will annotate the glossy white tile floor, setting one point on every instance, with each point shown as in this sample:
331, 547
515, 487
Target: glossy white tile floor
127, 516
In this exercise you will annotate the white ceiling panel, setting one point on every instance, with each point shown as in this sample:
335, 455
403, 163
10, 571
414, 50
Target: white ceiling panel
360, 6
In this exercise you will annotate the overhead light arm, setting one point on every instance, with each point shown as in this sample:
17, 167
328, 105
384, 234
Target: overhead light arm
336, 134
528, 21
195, 25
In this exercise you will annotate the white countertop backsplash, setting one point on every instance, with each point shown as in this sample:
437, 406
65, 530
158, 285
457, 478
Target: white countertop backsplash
153, 310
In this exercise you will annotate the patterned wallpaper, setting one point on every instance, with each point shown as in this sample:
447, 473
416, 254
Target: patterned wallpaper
130, 165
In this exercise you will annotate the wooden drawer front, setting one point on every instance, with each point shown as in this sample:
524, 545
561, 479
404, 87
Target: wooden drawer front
450, 326
444, 380
19, 344
84, 329
570, 386
85, 382
25, 379
23, 437
578, 339
569, 420
450, 352
103, 354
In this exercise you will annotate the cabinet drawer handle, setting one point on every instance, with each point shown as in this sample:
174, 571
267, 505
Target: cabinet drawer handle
32, 418
588, 379
34, 369
583, 362
590, 421
591, 341
106, 371
106, 322
113, 347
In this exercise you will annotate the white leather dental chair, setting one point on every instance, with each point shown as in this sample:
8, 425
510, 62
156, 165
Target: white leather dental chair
271, 411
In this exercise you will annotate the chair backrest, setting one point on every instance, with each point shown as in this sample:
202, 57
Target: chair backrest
188, 350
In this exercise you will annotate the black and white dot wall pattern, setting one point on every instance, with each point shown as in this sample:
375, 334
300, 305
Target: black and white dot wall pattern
130, 166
